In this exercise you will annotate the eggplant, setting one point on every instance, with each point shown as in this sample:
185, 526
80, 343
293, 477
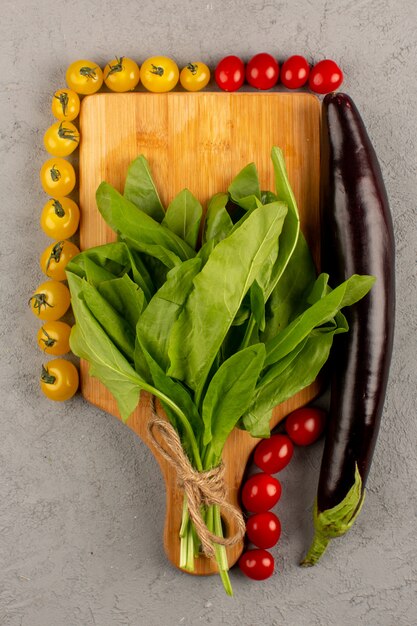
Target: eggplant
357, 238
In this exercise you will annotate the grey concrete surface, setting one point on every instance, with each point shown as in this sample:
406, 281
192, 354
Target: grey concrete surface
81, 499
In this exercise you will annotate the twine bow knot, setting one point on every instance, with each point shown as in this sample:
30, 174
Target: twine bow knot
201, 488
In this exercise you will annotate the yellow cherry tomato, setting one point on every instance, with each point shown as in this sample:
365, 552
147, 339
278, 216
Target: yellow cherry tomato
50, 301
195, 76
60, 218
65, 105
159, 74
121, 74
84, 77
57, 177
55, 258
59, 380
53, 338
61, 139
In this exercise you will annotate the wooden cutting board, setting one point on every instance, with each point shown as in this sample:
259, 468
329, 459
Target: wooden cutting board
199, 141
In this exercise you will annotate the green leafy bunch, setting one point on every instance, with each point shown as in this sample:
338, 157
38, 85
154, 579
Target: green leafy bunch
221, 319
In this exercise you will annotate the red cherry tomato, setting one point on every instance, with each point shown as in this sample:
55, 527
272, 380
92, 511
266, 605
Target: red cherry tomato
260, 493
230, 73
263, 529
304, 426
273, 454
294, 72
257, 564
326, 76
262, 71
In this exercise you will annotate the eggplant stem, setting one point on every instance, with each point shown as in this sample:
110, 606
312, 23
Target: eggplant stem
316, 551
335, 522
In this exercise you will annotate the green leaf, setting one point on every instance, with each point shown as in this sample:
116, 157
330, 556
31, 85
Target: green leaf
299, 366
111, 260
243, 313
290, 230
257, 422
317, 314
257, 304
178, 393
288, 298
140, 189
119, 377
140, 363
229, 394
140, 272
319, 289
218, 292
244, 188
115, 325
259, 290
94, 273
257, 419
156, 270
249, 203
125, 297
156, 322
183, 217
268, 196
218, 223
90, 341
273, 371
280, 256
267, 272
294, 374
206, 250
139, 230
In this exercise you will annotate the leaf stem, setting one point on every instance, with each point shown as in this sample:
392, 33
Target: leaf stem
190, 548
185, 517
248, 332
209, 458
183, 548
221, 555
183, 419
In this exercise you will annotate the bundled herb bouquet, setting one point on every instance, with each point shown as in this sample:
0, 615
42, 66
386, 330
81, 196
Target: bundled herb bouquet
220, 318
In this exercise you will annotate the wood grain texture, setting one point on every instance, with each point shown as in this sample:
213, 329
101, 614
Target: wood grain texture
199, 141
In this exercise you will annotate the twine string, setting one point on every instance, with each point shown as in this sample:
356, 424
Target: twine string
201, 488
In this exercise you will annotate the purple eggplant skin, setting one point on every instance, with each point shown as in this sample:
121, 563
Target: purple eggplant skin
357, 238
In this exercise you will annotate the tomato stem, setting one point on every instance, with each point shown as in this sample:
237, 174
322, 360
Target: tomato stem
49, 341
59, 209
117, 67
55, 253
67, 133
157, 69
88, 72
40, 301
46, 377
63, 101
55, 174
193, 67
